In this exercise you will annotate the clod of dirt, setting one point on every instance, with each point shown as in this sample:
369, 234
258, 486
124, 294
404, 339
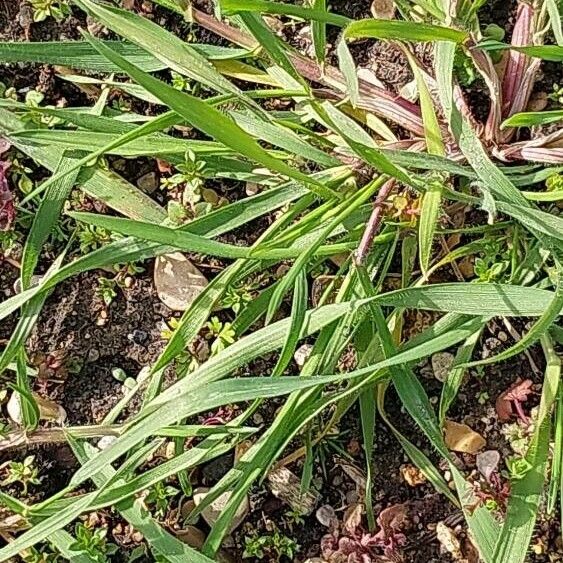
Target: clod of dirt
448, 541
48, 410
212, 512
287, 487
487, 463
148, 182
178, 282
383, 9
192, 536
441, 365
461, 438
195, 538
538, 101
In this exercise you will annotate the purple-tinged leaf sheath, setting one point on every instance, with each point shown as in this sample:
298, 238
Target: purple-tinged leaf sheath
485, 67
548, 149
380, 101
520, 72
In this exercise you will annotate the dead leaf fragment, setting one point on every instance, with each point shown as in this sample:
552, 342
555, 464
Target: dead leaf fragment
383, 9
412, 475
461, 438
449, 541
178, 282
48, 410
302, 354
287, 487
353, 517
355, 473
369, 76
410, 91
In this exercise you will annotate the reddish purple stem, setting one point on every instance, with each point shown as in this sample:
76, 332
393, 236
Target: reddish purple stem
374, 221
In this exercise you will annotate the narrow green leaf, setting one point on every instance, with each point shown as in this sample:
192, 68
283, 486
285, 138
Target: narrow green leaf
348, 69
532, 118
456, 374
159, 540
47, 216
29, 408
367, 417
429, 214
234, 6
101, 184
318, 32
298, 311
162, 44
526, 491
402, 31
273, 45
554, 12
536, 331
211, 121
76, 54
45, 528
546, 52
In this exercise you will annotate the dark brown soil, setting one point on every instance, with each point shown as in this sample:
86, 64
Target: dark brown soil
130, 340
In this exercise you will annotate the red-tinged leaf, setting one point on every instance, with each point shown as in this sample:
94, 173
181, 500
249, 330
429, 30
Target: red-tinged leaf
512, 398
7, 207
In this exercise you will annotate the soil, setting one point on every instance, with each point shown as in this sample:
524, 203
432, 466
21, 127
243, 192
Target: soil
93, 346
92, 340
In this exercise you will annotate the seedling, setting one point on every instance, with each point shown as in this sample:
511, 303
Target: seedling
42, 9
222, 334
274, 546
93, 542
25, 473
159, 497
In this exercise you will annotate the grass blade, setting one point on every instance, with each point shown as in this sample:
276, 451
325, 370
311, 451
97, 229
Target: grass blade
514, 539
402, 31
533, 118
211, 121
164, 45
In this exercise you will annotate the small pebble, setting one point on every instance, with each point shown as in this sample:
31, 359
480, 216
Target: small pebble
93, 355
148, 182
138, 336
106, 441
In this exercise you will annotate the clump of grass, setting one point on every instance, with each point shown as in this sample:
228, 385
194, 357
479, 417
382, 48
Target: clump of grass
330, 168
